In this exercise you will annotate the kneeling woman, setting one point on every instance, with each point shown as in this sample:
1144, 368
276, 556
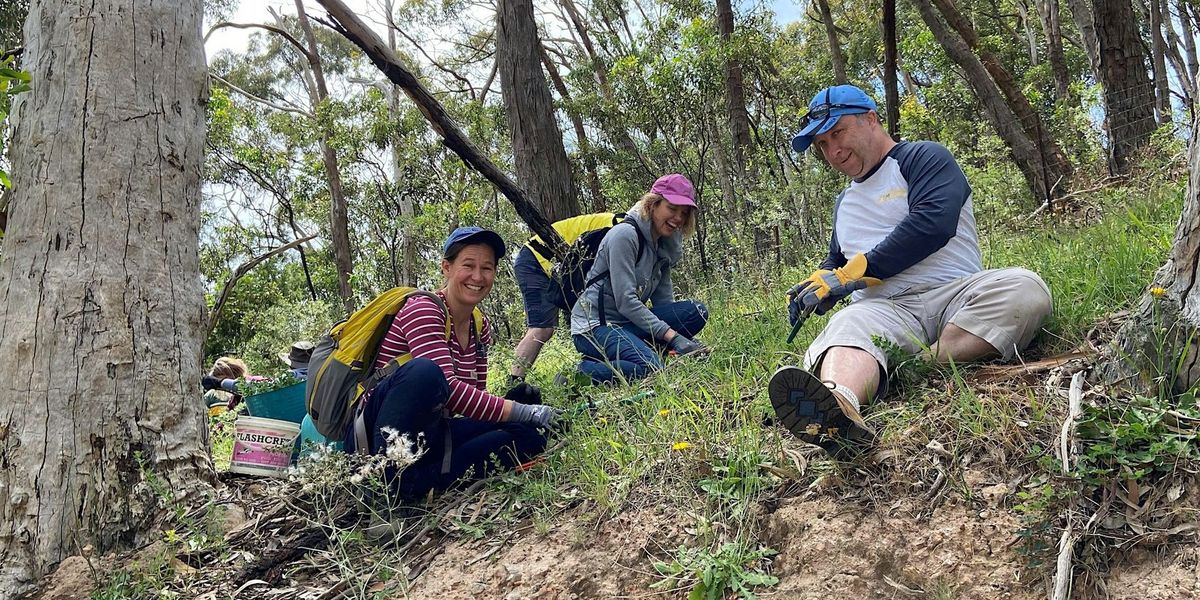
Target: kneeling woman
611, 325
449, 377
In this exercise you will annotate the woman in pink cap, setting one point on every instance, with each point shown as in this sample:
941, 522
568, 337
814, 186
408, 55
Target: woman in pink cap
627, 314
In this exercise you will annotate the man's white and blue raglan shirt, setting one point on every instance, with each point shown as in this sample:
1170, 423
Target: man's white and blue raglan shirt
912, 216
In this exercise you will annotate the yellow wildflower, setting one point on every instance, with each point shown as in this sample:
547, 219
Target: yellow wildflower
680, 446
664, 412
1157, 292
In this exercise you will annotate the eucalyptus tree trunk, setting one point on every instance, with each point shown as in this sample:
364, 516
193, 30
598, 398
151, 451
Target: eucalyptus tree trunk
836, 56
1158, 58
588, 156
1052, 27
1162, 336
339, 228
539, 158
103, 304
1128, 95
1052, 162
1189, 29
1187, 80
1025, 152
618, 135
407, 273
891, 92
735, 89
1031, 41
739, 128
1085, 21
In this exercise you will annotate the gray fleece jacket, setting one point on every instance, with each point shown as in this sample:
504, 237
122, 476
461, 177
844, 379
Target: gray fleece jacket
631, 282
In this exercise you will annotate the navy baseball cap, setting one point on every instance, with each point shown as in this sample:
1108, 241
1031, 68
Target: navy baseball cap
475, 235
826, 108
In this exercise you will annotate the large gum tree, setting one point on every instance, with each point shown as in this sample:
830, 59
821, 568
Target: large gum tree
99, 280
1162, 336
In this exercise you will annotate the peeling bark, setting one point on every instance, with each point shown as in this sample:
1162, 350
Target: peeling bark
100, 280
1052, 27
539, 157
1166, 326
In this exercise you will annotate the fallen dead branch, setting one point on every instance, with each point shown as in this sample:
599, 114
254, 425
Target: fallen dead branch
1067, 451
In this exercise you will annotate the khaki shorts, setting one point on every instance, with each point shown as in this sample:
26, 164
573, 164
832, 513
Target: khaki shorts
1005, 307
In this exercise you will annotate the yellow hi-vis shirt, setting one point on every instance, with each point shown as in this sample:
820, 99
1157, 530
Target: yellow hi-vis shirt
570, 230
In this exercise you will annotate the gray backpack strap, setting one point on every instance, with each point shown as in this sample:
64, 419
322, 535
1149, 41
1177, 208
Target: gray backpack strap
362, 443
448, 451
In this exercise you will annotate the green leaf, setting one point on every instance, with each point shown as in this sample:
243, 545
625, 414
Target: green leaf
11, 73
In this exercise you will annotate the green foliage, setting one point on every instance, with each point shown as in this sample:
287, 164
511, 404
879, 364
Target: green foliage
12, 20
1137, 438
254, 388
142, 582
1038, 507
13, 81
710, 574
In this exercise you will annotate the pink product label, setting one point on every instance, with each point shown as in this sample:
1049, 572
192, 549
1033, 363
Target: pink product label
262, 447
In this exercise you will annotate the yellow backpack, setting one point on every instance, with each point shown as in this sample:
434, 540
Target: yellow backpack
342, 364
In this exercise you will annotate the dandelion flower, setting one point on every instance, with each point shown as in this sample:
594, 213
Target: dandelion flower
1157, 292
664, 412
680, 446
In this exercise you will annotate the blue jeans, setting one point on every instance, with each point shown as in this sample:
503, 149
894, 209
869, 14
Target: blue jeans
626, 349
411, 402
533, 283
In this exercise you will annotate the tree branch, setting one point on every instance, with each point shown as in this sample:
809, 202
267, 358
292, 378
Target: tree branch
262, 101
287, 36
436, 64
238, 273
345, 22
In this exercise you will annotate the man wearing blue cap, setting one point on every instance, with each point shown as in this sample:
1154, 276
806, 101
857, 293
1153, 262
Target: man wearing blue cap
904, 249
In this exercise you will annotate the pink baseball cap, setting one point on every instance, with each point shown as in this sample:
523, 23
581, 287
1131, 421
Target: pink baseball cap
676, 189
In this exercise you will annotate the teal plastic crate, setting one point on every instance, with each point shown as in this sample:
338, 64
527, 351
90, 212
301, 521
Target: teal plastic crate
285, 404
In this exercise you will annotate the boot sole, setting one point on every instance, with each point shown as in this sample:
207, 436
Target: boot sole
808, 409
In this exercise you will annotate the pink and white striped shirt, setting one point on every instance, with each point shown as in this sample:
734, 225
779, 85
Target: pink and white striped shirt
420, 328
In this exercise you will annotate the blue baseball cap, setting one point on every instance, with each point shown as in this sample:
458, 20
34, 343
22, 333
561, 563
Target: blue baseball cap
474, 235
826, 108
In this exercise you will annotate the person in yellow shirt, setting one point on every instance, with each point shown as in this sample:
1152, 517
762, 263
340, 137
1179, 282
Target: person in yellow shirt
533, 268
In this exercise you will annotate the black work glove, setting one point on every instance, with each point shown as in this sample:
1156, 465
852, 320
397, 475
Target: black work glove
682, 345
525, 394
209, 382
797, 306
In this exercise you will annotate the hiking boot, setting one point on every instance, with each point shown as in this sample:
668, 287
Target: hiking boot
809, 409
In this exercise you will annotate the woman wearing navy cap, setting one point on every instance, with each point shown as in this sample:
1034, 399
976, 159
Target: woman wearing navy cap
449, 377
611, 324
